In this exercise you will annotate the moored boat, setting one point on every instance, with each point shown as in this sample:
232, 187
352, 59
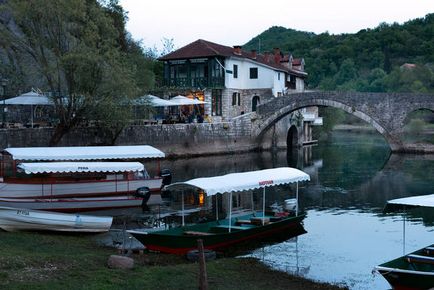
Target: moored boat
216, 235
223, 233
414, 271
75, 204
19, 219
59, 172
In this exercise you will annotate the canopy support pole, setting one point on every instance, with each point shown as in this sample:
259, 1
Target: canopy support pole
403, 233
182, 208
253, 205
216, 207
31, 115
230, 210
263, 206
296, 200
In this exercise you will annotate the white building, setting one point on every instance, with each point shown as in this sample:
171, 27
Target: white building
232, 80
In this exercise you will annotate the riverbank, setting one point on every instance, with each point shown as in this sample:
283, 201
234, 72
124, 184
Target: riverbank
58, 261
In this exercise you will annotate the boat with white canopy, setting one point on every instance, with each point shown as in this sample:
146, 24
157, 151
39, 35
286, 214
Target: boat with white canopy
75, 204
65, 172
225, 232
22, 219
414, 270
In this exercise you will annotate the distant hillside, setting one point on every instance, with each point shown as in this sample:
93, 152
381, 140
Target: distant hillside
390, 57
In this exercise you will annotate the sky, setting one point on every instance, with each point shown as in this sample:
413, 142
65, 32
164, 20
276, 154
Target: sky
235, 22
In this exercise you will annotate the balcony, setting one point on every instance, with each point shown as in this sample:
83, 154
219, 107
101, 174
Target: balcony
201, 82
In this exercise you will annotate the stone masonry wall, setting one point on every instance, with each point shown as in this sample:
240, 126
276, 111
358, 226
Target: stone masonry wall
246, 96
175, 140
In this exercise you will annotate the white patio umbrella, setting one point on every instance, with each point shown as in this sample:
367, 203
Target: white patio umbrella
155, 101
30, 99
184, 101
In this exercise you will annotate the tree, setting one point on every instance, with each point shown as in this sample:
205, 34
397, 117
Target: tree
75, 46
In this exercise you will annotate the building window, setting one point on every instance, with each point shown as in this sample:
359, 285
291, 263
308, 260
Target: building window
235, 71
253, 72
278, 76
216, 102
239, 99
234, 99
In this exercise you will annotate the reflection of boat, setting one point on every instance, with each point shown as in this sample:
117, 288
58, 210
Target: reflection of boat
415, 270
37, 179
223, 233
75, 204
17, 219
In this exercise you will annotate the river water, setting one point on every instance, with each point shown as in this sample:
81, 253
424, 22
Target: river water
352, 177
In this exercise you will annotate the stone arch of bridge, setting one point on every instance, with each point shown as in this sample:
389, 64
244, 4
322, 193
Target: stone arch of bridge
272, 119
292, 137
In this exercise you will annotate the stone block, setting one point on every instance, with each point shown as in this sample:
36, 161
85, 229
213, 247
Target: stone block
120, 262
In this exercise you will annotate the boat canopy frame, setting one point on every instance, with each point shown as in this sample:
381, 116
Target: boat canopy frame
238, 182
83, 153
80, 167
409, 202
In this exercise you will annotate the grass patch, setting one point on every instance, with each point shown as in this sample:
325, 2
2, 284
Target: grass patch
51, 261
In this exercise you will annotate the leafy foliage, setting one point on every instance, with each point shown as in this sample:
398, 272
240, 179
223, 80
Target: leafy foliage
372, 60
81, 50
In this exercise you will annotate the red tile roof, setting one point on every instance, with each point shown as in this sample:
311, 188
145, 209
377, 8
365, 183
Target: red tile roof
203, 48
296, 61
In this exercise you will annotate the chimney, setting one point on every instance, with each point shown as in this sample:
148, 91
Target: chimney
237, 49
267, 56
277, 56
253, 53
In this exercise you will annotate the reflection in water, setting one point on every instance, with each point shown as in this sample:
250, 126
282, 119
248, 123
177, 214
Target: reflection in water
352, 177
260, 243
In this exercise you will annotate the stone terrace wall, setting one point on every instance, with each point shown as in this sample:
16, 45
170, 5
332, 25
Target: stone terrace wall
175, 140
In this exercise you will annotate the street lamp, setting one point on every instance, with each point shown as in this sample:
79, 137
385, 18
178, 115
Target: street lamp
4, 82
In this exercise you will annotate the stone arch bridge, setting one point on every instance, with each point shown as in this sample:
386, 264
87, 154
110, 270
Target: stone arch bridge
386, 112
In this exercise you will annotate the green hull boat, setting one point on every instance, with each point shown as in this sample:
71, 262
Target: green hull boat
412, 271
218, 235
223, 233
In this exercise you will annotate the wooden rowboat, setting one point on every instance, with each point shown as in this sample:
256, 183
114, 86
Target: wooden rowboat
19, 219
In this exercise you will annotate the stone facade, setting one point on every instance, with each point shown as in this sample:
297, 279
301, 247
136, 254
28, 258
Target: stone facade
245, 103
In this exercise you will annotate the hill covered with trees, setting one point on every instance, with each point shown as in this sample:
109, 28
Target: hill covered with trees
389, 58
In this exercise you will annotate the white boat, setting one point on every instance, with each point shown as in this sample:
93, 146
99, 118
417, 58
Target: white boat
18, 219
73, 204
38, 178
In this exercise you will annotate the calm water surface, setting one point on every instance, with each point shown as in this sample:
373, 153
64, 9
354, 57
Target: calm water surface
352, 177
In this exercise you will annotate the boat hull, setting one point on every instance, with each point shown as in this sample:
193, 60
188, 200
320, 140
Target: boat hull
412, 280
176, 242
16, 219
76, 189
404, 273
73, 204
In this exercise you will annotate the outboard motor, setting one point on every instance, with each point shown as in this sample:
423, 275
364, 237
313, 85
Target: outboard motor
145, 193
167, 176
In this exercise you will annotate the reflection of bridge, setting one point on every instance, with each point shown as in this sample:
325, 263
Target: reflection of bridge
386, 112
